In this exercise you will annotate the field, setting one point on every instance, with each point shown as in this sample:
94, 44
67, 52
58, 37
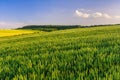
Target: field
6, 33
72, 54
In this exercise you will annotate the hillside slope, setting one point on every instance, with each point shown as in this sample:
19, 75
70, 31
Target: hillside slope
82, 53
6, 33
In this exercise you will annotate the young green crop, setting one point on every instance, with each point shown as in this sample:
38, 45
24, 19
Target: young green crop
73, 54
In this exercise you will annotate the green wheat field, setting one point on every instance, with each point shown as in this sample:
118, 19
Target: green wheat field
73, 54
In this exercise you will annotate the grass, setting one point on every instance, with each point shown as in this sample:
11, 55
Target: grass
72, 54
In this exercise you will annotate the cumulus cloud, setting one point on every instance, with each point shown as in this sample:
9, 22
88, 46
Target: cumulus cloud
4, 25
86, 14
97, 15
83, 15
117, 17
107, 16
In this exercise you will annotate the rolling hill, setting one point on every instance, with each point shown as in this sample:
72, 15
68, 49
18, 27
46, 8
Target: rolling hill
71, 54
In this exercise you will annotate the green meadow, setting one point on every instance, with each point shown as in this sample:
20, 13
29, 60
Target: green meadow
72, 54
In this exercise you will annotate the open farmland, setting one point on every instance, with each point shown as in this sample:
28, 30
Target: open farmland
71, 54
5, 33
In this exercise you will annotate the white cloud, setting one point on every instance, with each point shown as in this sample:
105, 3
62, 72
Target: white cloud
4, 25
83, 15
117, 17
97, 14
79, 13
107, 16
101, 15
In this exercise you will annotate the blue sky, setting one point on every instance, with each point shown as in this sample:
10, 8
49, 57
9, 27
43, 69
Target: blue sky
17, 13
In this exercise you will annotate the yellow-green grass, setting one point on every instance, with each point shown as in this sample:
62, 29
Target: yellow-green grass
4, 33
73, 54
